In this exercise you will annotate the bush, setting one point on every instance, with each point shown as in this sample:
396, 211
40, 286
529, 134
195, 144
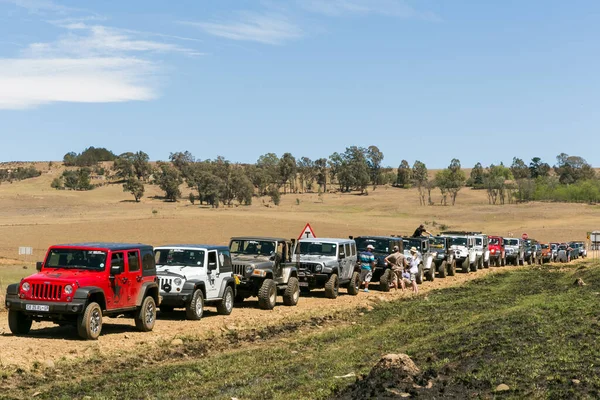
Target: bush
275, 195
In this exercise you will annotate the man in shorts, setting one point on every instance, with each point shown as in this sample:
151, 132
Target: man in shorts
398, 263
413, 262
367, 262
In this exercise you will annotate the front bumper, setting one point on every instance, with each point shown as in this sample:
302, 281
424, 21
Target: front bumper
55, 309
312, 280
175, 299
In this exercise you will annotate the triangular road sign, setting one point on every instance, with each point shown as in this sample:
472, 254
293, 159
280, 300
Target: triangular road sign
307, 233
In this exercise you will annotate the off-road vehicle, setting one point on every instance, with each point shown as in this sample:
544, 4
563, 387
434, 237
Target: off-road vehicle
384, 246
497, 251
533, 251
464, 245
444, 256
263, 267
547, 253
482, 249
580, 246
328, 263
192, 276
566, 253
427, 266
514, 251
79, 284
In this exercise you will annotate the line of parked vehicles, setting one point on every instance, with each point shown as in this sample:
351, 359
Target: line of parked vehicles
79, 284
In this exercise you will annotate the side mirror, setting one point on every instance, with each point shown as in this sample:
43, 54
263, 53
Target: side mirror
212, 266
38, 265
115, 270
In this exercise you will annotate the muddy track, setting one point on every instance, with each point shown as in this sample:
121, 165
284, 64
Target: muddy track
48, 341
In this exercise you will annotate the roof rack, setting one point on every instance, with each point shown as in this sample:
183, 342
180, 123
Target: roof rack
460, 233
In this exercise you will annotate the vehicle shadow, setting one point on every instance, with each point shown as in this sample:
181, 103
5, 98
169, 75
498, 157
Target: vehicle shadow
69, 332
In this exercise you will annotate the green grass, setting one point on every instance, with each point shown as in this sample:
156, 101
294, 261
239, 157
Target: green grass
531, 329
12, 274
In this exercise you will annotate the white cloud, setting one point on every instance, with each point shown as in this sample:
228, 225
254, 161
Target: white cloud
267, 28
40, 6
392, 8
27, 83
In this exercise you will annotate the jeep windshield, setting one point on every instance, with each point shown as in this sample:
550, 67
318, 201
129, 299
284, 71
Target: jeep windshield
408, 243
511, 242
179, 257
253, 247
76, 259
318, 249
458, 241
437, 243
381, 245
495, 241
545, 246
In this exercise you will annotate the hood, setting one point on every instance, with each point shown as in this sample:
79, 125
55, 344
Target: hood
249, 259
172, 270
67, 276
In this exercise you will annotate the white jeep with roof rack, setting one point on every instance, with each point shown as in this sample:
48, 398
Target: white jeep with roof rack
463, 243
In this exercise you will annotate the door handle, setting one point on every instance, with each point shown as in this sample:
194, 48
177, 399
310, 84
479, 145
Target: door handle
124, 280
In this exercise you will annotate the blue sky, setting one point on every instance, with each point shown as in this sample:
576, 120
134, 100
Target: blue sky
429, 80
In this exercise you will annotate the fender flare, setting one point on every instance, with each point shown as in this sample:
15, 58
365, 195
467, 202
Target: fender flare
13, 289
146, 287
193, 284
229, 281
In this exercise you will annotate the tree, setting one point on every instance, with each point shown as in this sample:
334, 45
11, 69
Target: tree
420, 176
169, 179
571, 169
353, 171
321, 173
494, 181
521, 173
58, 183
306, 172
451, 181
404, 174
275, 195
181, 160
374, 158
123, 166
537, 168
476, 177
269, 163
141, 165
69, 159
335, 164
287, 170
243, 188
135, 187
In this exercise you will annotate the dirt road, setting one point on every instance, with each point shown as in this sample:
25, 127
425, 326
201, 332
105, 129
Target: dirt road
47, 341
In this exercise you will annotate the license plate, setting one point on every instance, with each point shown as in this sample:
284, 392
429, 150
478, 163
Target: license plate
303, 283
37, 307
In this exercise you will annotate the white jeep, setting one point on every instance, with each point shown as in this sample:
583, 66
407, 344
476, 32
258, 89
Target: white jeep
192, 276
464, 246
483, 250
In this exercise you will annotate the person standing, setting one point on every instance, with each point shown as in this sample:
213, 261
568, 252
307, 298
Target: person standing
414, 261
398, 263
420, 230
367, 262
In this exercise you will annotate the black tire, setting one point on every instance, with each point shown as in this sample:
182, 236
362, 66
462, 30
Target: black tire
442, 270
420, 275
474, 265
521, 261
292, 292
465, 267
166, 309
194, 310
332, 287
480, 265
386, 278
529, 260
354, 285
503, 262
486, 264
430, 275
267, 294
225, 306
89, 323
19, 323
452, 269
145, 317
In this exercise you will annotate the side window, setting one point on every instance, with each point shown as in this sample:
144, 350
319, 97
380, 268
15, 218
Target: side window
212, 257
345, 249
148, 262
134, 261
116, 259
226, 257
280, 250
353, 248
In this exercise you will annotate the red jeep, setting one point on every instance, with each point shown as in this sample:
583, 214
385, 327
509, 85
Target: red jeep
497, 253
78, 284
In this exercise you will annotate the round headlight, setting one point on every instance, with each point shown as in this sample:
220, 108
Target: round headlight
25, 287
68, 289
249, 269
177, 281
319, 268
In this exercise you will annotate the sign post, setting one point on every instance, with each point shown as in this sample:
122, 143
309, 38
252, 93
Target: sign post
307, 233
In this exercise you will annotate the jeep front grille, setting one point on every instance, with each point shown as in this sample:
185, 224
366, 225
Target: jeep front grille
310, 267
40, 291
239, 269
164, 281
